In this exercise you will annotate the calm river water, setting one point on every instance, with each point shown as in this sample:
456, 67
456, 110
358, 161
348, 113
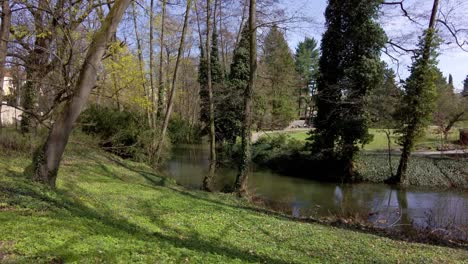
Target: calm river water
381, 204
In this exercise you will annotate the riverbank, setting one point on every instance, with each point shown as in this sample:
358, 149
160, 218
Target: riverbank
286, 155
111, 210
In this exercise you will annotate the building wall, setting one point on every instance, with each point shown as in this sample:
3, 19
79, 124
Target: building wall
7, 85
10, 115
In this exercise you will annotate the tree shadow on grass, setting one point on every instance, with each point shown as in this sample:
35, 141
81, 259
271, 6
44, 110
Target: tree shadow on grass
65, 206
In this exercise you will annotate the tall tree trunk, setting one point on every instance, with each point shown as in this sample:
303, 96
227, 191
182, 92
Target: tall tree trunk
241, 180
409, 141
222, 40
212, 134
161, 62
241, 25
170, 101
151, 66
141, 63
46, 160
4, 36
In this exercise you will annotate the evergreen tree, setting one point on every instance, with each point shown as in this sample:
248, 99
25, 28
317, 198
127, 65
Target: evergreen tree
384, 101
306, 58
279, 82
217, 77
350, 68
229, 119
204, 97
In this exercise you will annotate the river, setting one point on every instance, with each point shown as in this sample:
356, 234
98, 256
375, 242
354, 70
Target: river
379, 204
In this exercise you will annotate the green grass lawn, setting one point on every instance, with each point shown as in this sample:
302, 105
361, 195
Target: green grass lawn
430, 141
107, 210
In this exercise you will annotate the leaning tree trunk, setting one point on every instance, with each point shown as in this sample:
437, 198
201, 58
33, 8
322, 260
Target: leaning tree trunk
410, 137
170, 101
4, 36
46, 160
241, 180
212, 167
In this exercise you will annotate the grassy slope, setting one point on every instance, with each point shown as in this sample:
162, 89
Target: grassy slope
109, 210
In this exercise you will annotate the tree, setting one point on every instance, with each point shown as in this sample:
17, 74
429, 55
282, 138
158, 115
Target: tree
212, 133
173, 84
278, 82
419, 98
230, 98
465, 87
449, 106
350, 68
383, 102
4, 37
46, 160
160, 106
242, 177
306, 59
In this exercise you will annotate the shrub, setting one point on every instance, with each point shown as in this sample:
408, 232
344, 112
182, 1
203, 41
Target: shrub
273, 147
181, 131
123, 133
12, 141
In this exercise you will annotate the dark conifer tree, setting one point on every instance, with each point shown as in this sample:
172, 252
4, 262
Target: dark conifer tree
350, 68
280, 80
230, 106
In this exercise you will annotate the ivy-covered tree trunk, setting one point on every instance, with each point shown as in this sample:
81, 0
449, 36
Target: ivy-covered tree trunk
242, 177
212, 133
419, 98
46, 160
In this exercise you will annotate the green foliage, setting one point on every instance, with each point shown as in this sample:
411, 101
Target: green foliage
384, 101
13, 142
181, 131
423, 171
109, 210
275, 101
121, 132
306, 60
217, 79
420, 91
28, 101
229, 96
449, 107
271, 148
350, 68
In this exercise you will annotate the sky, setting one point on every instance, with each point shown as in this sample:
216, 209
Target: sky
452, 60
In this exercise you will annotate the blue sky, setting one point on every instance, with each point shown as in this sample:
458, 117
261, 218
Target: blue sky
452, 59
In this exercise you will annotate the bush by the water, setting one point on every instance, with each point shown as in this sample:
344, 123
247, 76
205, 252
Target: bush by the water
182, 131
123, 133
275, 147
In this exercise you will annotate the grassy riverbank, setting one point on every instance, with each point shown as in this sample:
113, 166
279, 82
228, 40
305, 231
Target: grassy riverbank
110, 210
430, 141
